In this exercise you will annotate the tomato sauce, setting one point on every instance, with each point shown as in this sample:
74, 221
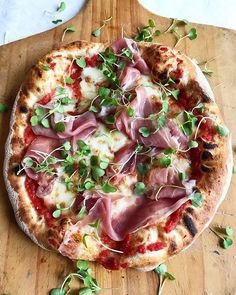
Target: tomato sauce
92, 61
46, 99
174, 218
29, 135
31, 188
207, 130
76, 76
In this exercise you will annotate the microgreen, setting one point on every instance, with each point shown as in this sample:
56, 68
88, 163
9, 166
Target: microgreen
161, 121
60, 127
225, 235
108, 188
56, 21
191, 35
189, 123
3, 107
97, 32
205, 69
229, 231
140, 188
222, 130
61, 7
34, 121
68, 80
81, 212
164, 275
147, 33
130, 112
108, 60
165, 161
97, 173
234, 170
182, 176
192, 144
93, 109
68, 29
175, 93
142, 169
84, 149
81, 62
144, 131
84, 273
110, 120
175, 25
197, 199
45, 67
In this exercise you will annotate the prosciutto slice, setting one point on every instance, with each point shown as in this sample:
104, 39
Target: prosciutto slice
138, 62
165, 183
168, 136
128, 77
79, 127
35, 151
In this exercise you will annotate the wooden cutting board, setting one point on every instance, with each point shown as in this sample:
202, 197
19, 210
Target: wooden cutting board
27, 269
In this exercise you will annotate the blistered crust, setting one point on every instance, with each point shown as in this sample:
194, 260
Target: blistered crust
213, 185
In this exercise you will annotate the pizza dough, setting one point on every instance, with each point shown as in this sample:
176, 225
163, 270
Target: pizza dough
116, 154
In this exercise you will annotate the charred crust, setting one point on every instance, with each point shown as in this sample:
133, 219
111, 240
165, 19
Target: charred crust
206, 168
16, 170
188, 222
206, 155
49, 60
23, 109
209, 145
173, 247
190, 210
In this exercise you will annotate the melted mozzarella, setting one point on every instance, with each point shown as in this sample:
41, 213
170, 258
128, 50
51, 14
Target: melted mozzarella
90, 78
105, 143
59, 195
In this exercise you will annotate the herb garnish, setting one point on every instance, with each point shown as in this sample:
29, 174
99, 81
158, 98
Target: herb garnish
68, 29
148, 32
83, 272
225, 235
97, 32
164, 275
3, 107
61, 7
140, 188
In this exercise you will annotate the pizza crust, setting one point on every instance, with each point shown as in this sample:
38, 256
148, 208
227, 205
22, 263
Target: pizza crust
193, 221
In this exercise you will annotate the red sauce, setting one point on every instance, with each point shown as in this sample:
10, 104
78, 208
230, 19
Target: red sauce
45, 99
29, 135
124, 265
174, 218
108, 261
164, 49
92, 61
207, 130
177, 74
156, 246
52, 65
187, 102
76, 76
31, 188
141, 249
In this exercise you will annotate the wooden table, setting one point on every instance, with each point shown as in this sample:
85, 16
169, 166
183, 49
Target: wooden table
27, 269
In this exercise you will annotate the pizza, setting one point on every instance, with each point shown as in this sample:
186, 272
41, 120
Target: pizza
117, 153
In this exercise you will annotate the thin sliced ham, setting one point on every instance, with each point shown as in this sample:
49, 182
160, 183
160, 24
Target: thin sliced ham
79, 127
129, 77
167, 136
165, 183
42, 145
139, 63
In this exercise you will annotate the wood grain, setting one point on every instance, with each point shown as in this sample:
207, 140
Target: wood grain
27, 269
